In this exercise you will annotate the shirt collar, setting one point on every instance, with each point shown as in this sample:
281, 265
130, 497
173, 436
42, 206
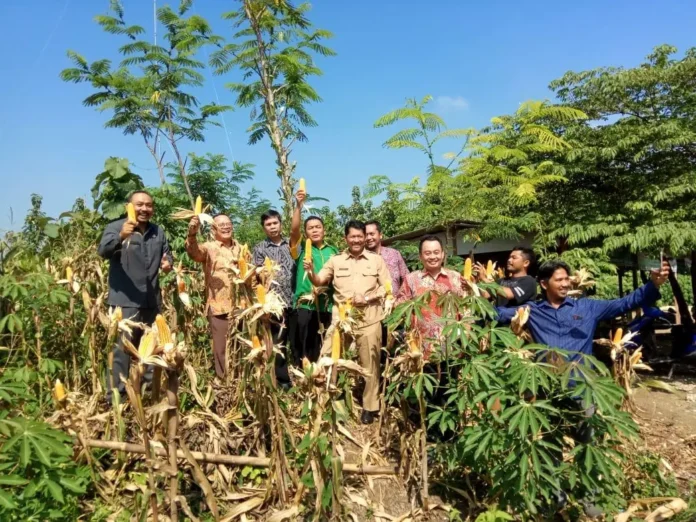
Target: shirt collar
222, 245
424, 273
568, 302
348, 255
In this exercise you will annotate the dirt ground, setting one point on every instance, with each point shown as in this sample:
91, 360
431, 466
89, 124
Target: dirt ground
668, 427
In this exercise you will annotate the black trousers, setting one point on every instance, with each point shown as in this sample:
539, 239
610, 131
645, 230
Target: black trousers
306, 339
121, 359
280, 333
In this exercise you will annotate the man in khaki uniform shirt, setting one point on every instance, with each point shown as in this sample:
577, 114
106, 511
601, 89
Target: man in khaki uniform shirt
359, 275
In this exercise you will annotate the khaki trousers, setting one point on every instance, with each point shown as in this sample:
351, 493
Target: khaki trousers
368, 338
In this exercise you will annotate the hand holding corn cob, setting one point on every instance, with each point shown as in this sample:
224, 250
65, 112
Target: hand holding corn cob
194, 225
301, 194
127, 229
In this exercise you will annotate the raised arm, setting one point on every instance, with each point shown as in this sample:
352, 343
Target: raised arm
505, 314
193, 249
295, 232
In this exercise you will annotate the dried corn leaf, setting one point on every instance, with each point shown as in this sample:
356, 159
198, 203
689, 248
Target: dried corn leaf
242, 508
667, 511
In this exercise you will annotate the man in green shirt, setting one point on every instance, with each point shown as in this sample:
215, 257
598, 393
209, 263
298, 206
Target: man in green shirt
312, 306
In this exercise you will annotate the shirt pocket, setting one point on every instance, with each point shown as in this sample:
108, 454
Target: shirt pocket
576, 326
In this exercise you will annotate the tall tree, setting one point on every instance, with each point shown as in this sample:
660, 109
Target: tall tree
147, 93
274, 48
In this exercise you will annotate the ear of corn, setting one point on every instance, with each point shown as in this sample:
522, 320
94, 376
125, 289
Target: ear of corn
468, 271
489, 268
268, 264
180, 284
261, 294
255, 343
243, 267
130, 211
69, 274
118, 314
163, 333
199, 206
308, 250
341, 312
147, 344
303, 185
388, 287
86, 300
336, 345
59, 391
618, 336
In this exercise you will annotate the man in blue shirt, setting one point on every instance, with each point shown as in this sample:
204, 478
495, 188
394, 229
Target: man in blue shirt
561, 322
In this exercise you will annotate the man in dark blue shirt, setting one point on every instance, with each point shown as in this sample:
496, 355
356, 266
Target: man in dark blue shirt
136, 251
561, 322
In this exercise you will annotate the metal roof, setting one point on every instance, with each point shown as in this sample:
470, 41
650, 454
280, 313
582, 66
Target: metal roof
455, 225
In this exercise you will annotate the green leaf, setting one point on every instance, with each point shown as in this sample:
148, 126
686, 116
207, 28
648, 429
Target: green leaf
72, 484
6, 500
12, 480
55, 490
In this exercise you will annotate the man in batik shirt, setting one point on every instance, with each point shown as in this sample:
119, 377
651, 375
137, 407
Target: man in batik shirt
435, 279
392, 257
218, 258
277, 249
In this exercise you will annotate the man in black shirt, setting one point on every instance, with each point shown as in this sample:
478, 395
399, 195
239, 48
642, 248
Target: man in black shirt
518, 287
136, 251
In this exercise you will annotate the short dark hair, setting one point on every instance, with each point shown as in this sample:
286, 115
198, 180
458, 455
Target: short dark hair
313, 218
130, 197
547, 269
429, 237
271, 214
222, 214
356, 225
375, 223
528, 254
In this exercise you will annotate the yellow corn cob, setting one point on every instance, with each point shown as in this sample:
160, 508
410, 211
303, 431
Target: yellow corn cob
268, 264
261, 295
244, 251
467, 272
388, 287
86, 300
130, 211
308, 250
255, 343
489, 268
163, 333
336, 345
348, 306
118, 315
341, 312
303, 185
147, 344
243, 267
59, 391
199, 206
69, 274
618, 336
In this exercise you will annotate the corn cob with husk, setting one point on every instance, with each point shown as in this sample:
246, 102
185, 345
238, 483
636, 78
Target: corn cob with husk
181, 286
198, 210
410, 360
625, 363
490, 269
336, 345
164, 335
303, 185
308, 250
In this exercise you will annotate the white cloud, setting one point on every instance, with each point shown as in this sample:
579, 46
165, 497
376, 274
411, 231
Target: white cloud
452, 103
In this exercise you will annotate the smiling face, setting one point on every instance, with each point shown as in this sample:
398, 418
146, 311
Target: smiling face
223, 229
144, 207
272, 228
432, 255
314, 230
374, 237
557, 286
356, 241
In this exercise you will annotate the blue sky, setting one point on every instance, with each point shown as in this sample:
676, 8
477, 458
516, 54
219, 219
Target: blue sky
478, 59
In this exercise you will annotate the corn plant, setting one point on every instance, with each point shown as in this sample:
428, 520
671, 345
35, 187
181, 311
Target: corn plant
506, 416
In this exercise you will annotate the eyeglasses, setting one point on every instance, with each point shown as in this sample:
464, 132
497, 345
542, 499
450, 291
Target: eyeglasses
223, 228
